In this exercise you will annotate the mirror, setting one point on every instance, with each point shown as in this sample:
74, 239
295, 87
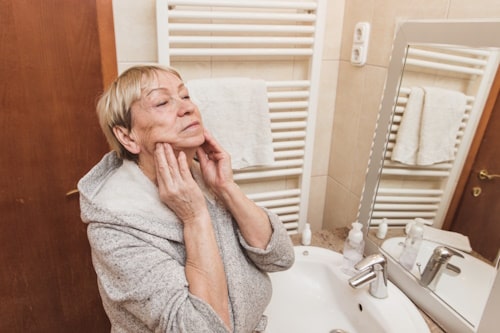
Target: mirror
460, 58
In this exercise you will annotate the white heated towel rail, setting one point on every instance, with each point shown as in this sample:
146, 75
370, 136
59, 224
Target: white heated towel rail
406, 192
260, 30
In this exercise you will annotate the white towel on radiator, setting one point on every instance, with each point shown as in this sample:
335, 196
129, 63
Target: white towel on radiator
236, 112
429, 126
407, 138
441, 118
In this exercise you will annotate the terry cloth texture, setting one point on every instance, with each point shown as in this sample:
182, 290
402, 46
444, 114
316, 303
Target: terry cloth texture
138, 254
236, 112
429, 126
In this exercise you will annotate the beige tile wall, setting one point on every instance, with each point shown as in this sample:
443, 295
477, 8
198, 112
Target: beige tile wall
351, 94
359, 90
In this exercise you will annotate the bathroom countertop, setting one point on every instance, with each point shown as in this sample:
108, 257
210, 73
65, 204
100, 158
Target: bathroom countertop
334, 240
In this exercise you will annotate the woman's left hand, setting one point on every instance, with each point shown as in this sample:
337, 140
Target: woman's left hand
215, 164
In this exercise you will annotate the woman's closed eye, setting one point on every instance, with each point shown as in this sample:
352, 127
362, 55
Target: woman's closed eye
163, 102
170, 100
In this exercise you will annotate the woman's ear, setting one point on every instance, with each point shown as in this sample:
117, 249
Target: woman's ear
127, 139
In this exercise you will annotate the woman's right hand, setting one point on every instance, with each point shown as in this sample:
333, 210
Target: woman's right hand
204, 268
176, 185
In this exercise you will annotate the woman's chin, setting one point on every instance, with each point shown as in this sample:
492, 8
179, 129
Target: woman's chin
193, 142
198, 140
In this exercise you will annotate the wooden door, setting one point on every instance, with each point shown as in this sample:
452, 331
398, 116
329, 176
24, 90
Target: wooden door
477, 209
50, 79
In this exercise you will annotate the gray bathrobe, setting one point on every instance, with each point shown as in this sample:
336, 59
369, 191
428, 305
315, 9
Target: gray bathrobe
138, 254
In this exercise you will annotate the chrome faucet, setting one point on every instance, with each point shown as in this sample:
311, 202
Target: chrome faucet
372, 270
437, 264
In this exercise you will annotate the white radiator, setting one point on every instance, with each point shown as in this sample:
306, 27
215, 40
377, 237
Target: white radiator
406, 192
205, 31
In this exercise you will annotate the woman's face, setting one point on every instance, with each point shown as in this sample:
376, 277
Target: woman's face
165, 113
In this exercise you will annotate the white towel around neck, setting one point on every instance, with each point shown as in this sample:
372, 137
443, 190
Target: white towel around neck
236, 112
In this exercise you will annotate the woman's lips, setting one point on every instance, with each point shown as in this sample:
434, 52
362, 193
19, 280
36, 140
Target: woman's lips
192, 125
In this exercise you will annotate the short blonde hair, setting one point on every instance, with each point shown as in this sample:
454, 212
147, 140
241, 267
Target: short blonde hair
114, 106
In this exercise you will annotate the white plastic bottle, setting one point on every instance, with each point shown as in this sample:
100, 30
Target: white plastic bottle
412, 244
353, 249
306, 235
382, 229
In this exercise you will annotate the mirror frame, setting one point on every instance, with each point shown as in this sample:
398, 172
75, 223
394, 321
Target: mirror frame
448, 32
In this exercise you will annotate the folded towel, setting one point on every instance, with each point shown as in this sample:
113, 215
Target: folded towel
442, 115
429, 126
236, 112
448, 238
407, 139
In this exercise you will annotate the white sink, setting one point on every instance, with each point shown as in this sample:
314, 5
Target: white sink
315, 297
466, 292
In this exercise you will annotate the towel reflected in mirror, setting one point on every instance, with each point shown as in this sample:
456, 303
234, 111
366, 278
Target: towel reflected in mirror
429, 126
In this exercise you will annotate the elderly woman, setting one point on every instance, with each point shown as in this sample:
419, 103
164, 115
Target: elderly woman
176, 245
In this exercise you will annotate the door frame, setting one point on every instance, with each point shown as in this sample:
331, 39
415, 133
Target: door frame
107, 43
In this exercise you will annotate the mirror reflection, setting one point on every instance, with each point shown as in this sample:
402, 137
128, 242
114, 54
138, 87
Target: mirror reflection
428, 211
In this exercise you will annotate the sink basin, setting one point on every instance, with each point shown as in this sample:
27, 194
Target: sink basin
313, 296
466, 292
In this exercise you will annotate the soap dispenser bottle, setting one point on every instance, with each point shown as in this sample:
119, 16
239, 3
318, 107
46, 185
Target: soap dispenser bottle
413, 240
382, 229
306, 235
353, 249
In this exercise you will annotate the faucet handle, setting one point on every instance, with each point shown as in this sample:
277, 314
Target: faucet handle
374, 271
443, 253
370, 261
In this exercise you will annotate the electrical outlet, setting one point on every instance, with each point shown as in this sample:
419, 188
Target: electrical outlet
360, 43
358, 55
361, 32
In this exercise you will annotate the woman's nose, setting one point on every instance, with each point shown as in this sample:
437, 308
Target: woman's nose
185, 106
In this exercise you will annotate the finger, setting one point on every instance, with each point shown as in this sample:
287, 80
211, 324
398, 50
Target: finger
211, 142
207, 134
162, 169
213, 148
172, 163
212, 152
202, 156
183, 166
